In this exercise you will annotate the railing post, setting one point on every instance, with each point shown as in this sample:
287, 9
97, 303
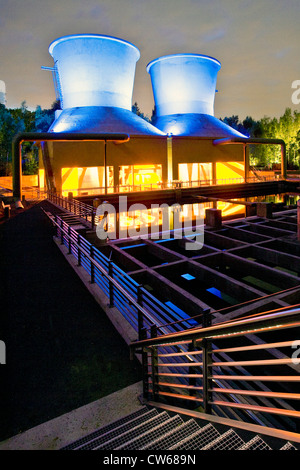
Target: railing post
92, 265
79, 251
61, 232
143, 335
206, 318
207, 373
154, 365
140, 314
69, 240
111, 286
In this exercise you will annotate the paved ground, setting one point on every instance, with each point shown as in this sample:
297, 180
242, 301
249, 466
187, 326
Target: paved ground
62, 351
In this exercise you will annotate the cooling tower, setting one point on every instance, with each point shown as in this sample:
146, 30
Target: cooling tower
2, 92
95, 78
184, 87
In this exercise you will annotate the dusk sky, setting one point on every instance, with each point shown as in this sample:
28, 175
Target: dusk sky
256, 41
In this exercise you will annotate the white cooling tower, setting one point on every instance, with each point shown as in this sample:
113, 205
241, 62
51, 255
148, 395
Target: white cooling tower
184, 87
2, 92
95, 78
94, 70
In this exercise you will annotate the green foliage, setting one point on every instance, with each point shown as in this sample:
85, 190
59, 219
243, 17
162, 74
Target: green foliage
287, 127
14, 121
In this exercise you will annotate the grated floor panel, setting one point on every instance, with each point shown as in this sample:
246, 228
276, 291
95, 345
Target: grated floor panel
198, 439
107, 428
166, 441
152, 434
230, 440
257, 443
134, 432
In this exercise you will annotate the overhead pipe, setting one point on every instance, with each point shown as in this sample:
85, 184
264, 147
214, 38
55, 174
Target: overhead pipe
52, 137
256, 141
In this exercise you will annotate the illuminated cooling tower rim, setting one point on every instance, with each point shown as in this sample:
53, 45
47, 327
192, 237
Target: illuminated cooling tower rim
91, 36
183, 56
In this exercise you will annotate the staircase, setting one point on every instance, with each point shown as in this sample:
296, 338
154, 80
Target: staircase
153, 429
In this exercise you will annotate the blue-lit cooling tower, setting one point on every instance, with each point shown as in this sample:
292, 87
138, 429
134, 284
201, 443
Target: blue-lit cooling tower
95, 78
184, 88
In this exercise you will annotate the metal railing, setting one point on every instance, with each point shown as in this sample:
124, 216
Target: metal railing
169, 185
195, 364
82, 210
139, 307
217, 369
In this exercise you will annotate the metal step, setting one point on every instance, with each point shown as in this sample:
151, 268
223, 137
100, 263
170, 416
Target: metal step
113, 429
134, 432
288, 446
171, 437
198, 439
160, 430
150, 429
257, 443
230, 440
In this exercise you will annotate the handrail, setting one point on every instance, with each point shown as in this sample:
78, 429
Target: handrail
233, 327
144, 314
194, 365
175, 184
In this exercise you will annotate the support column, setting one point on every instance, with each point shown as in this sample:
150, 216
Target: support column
246, 162
169, 159
214, 172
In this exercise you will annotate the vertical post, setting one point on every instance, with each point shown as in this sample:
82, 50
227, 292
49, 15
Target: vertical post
246, 163
105, 173
143, 335
92, 265
140, 314
214, 173
283, 160
111, 286
169, 158
79, 251
61, 232
69, 240
154, 365
207, 372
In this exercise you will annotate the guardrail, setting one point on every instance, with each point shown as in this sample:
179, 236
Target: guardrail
169, 185
142, 310
218, 369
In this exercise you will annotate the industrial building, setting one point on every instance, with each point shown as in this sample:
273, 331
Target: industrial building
94, 80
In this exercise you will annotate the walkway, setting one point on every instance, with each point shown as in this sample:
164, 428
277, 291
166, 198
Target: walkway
62, 351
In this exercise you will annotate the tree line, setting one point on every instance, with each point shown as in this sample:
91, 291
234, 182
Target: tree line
16, 120
287, 127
